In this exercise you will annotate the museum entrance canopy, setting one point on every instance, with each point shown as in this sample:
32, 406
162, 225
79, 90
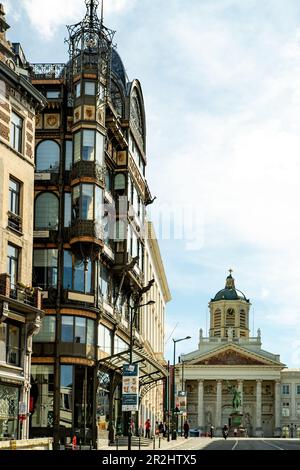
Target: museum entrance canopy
150, 369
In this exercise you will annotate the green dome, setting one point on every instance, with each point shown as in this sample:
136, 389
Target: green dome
230, 292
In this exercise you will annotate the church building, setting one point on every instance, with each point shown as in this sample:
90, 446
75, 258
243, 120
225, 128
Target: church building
230, 362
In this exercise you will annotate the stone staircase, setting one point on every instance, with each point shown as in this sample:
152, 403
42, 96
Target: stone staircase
135, 441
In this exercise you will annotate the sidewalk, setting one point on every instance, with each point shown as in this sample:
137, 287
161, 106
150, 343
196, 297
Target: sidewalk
160, 444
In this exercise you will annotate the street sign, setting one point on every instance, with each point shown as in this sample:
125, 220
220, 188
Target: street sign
130, 387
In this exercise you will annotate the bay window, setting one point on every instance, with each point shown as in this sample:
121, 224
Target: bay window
78, 273
89, 146
87, 202
45, 268
47, 330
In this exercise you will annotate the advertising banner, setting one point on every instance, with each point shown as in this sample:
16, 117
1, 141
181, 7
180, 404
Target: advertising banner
130, 387
181, 403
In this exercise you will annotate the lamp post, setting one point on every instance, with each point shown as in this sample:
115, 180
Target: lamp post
133, 314
174, 426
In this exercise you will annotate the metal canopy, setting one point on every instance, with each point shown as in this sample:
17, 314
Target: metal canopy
150, 370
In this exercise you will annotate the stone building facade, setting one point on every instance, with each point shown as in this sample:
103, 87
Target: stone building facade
230, 359
20, 304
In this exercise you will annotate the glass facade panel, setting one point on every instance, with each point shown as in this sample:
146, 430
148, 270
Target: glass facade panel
87, 201
41, 396
104, 282
99, 204
90, 339
77, 147
76, 202
67, 329
68, 270
3, 333
46, 212
83, 403
66, 396
90, 88
120, 182
45, 268
80, 330
13, 350
69, 155
82, 275
47, 157
78, 89
68, 210
88, 145
47, 330
104, 339
100, 139
9, 409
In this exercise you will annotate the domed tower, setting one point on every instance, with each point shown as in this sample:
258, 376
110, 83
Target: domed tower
229, 312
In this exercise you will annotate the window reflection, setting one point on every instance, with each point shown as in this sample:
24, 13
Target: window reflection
41, 396
47, 157
66, 396
46, 212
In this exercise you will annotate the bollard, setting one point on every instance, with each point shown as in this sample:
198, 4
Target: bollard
154, 443
140, 443
159, 442
117, 443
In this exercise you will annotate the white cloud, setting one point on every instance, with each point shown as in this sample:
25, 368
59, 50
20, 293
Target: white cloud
47, 16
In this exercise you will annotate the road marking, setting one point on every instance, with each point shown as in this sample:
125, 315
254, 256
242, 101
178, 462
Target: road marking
236, 443
272, 445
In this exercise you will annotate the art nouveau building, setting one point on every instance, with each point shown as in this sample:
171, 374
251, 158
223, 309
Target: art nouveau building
89, 239
20, 305
229, 356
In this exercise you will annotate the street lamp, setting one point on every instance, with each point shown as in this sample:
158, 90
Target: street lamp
133, 314
174, 426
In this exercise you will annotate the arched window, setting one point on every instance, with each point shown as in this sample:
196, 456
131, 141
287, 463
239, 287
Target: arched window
47, 157
46, 212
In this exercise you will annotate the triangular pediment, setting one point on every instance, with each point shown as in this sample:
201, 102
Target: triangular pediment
232, 356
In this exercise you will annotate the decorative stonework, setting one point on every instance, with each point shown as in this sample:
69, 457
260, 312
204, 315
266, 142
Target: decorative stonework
29, 125
52, 121
77, 114
121, 160
69, 124
29, 137
89, 113
39, 121
4, 132
230, 358
4, 117
29, 152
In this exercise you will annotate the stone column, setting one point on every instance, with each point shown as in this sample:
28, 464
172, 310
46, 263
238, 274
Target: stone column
258, 430
241, 390
277, 389
201, 406
218, 430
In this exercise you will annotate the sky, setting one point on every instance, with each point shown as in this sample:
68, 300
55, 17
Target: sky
221, 86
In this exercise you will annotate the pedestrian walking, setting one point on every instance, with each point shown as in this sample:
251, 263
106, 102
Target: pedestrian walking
186, 428
212, 431
147, 428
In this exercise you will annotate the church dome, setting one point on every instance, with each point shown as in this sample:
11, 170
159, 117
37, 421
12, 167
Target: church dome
230, 292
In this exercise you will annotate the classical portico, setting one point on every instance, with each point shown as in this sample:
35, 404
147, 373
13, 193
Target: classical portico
230, 359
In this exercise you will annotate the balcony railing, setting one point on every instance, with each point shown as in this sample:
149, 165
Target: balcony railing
84, 228
48, 71
84, 169
26, 295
